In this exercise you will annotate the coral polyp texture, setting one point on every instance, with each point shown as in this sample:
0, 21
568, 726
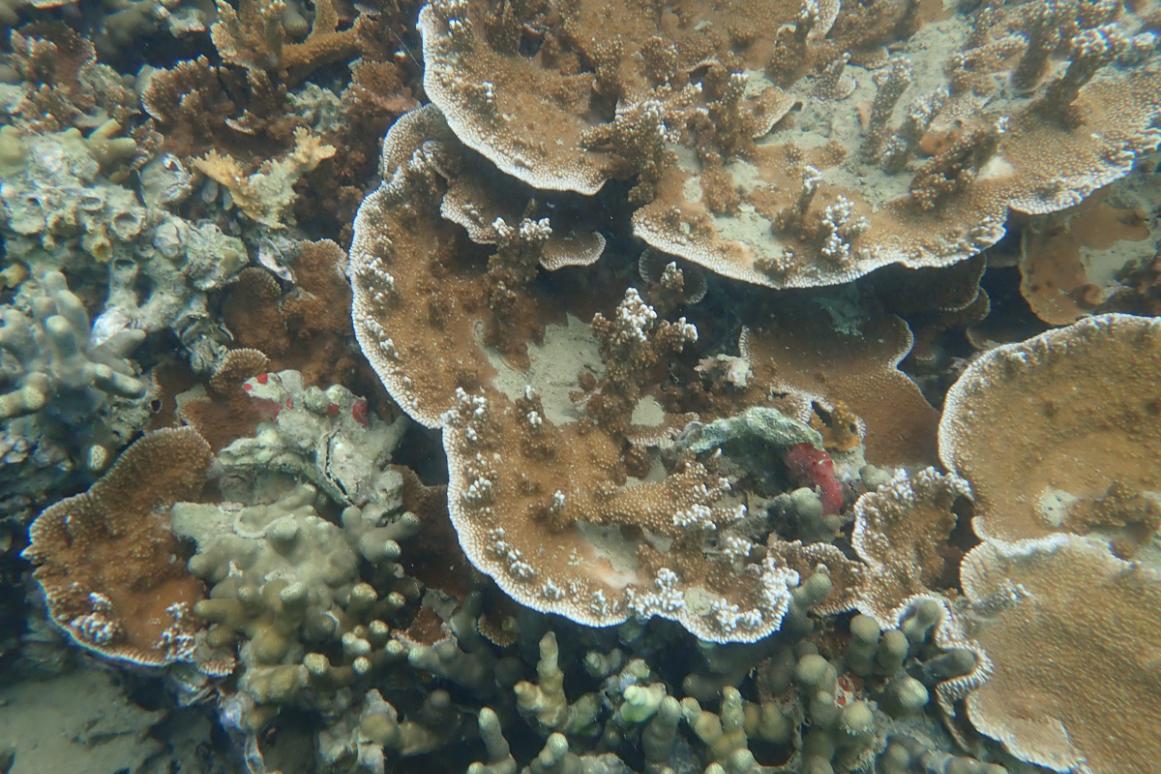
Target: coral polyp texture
901, 531
109, 564
584, 386
799, 157
1060, 433
1032, 586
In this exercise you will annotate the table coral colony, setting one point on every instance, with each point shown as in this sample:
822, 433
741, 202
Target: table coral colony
756, 461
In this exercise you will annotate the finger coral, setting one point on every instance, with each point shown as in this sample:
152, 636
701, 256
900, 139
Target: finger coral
285, 582
69, 400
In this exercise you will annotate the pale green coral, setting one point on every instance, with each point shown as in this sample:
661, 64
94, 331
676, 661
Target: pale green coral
68, 400
286, 582
753, 434
544, 703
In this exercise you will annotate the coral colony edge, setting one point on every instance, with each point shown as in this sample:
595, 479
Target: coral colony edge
580, 386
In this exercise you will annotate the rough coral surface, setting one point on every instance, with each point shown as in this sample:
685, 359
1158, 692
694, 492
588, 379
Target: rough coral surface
109, 565
613, 444
1060, 667
68, 399
1043, 428
868, 173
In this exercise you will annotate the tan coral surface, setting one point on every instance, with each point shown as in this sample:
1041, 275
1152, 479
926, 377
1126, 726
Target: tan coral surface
1072, 633
1043, 427
799, 159
112, 571
902, 531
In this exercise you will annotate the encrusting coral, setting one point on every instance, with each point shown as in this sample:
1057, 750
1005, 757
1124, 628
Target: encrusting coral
61, 210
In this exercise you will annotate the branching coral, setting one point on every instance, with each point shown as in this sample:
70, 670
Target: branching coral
267, 194
254, 36
632, 345
197, 106
64, 86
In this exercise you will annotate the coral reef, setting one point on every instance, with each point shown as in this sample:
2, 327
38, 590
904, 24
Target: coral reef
75, 396
110, 567
1039, 456
841, 189
575, 386
61, 211
1034, 583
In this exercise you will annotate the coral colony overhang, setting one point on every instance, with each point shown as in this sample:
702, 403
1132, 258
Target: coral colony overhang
590, 385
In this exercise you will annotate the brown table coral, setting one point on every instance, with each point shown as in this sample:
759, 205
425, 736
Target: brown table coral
1048, 429
112, 571
799, 356
810, 159
1082, 261
1072, 635
540, 492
